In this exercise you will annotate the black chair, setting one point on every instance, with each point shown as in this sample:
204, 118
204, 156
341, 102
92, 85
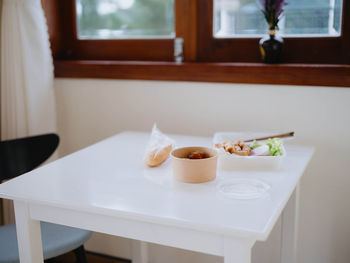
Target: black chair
19, 156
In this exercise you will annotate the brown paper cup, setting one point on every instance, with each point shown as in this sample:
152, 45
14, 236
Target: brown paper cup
194, 170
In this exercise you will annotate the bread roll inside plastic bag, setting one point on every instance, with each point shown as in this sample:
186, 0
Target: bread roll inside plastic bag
158, 148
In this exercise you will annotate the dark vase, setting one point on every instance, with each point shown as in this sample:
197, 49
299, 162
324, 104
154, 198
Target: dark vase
271, 48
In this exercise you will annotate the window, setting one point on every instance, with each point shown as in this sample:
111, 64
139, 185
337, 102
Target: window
98, 34
300, 18
314, 31
112, 29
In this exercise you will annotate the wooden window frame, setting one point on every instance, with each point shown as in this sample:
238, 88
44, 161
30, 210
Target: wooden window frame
61, 19
319, 50
205, 57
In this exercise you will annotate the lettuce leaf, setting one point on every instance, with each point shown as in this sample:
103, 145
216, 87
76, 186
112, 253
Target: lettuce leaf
275, 146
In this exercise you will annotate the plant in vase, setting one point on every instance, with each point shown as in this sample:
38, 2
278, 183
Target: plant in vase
271, 45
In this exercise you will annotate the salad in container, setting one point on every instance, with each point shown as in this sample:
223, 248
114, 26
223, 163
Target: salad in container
249, 150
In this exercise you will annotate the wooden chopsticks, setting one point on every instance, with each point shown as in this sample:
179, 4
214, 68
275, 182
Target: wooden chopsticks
283, 135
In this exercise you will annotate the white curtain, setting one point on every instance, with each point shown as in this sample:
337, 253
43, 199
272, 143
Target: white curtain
27, 96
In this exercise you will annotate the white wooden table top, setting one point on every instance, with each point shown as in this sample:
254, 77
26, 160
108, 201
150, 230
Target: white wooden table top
110, 178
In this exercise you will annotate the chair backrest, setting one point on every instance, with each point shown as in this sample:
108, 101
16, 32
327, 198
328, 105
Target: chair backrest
22, 155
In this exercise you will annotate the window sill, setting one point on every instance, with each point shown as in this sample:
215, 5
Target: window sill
253, 73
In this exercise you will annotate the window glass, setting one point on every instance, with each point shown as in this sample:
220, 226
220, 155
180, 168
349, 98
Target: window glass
244, 18
113, 19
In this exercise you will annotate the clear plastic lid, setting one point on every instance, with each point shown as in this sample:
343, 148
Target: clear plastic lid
243, 188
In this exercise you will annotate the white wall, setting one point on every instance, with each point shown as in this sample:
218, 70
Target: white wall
90, 110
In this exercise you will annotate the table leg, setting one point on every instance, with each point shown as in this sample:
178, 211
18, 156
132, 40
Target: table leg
237, 251
139, 252
289, 230
28, 235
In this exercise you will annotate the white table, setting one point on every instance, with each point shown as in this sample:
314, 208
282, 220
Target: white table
107, 188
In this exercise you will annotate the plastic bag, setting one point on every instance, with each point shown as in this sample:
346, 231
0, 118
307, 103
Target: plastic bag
158, 148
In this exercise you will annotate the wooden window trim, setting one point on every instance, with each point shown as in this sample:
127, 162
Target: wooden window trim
258, 73
74, 60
